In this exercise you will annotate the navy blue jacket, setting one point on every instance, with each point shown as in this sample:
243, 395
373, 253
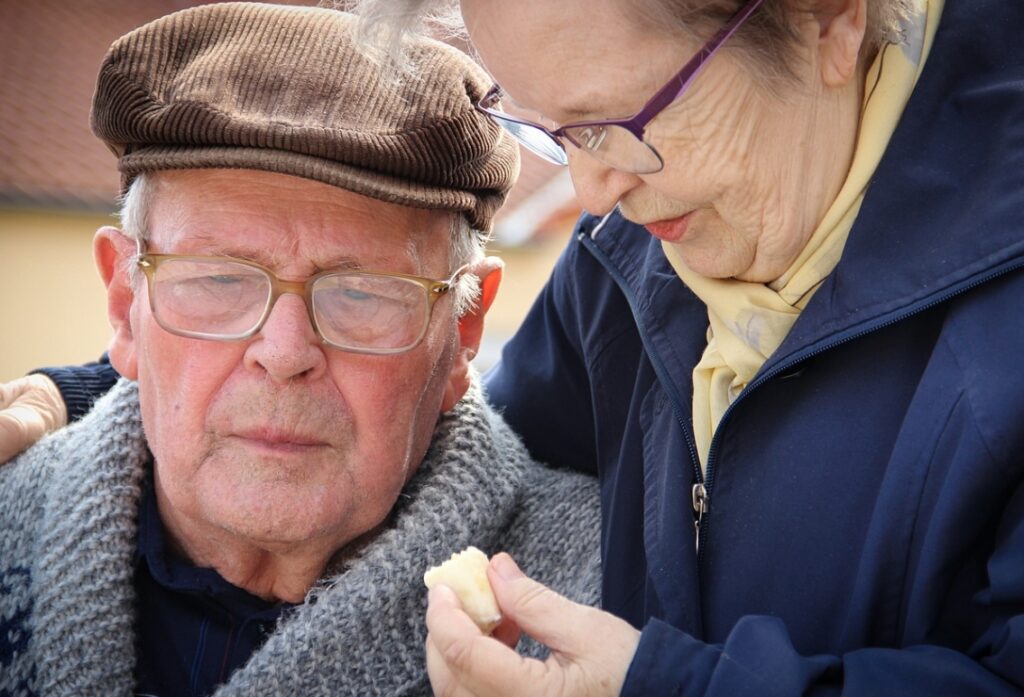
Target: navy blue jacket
865, 531
81, 385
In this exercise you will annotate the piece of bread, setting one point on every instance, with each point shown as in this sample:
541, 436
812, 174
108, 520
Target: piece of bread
466, 574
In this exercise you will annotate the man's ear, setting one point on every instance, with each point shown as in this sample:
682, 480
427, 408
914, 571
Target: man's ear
843, 24
471, 329
113, 252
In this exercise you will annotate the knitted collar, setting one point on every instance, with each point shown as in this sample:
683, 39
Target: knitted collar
361, 629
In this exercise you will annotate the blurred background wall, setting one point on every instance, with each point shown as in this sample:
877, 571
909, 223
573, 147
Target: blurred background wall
58, 184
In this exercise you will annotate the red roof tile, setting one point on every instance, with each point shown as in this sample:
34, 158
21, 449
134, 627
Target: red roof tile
51, 51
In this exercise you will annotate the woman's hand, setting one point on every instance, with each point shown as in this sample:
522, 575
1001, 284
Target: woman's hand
590, 650
30, 407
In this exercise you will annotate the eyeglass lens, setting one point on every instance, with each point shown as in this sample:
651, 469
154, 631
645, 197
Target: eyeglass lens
374, 312
227, 300
616, 147
208, 297
613, 145
534, 139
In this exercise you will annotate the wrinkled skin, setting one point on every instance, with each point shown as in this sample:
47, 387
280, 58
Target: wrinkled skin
274, 452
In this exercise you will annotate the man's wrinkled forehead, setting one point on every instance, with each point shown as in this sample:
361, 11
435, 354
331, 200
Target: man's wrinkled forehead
273, 218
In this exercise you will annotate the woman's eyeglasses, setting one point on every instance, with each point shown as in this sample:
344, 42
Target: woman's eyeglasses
618, 143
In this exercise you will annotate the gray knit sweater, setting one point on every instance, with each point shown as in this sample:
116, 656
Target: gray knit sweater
68, 510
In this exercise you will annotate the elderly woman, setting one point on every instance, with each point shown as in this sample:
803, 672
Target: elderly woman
785, 337
810, 447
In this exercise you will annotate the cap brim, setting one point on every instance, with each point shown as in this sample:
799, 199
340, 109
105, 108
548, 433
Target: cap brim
361, 181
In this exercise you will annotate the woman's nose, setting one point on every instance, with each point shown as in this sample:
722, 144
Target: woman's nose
598, 187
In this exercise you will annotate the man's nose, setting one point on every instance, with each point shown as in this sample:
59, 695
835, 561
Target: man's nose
287, 346
598, 187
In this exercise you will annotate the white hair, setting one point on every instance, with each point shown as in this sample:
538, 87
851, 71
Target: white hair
466, 246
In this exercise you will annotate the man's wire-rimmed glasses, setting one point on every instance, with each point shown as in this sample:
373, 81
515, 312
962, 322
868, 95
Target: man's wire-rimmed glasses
618, 143
227, 299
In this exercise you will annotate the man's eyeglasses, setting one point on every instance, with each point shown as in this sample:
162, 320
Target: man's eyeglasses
227, 299
618, 143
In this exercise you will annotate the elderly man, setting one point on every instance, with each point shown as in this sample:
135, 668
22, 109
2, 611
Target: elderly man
297, 290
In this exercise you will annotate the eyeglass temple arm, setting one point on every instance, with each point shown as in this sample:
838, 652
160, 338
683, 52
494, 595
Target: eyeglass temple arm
677, 85
445, 286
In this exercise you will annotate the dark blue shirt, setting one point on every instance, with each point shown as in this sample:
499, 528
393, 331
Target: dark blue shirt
194, 628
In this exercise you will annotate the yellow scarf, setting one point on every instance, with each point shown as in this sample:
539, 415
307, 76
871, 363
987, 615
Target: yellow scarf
748, 321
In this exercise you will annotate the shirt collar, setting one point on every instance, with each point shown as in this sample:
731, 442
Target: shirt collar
176, 574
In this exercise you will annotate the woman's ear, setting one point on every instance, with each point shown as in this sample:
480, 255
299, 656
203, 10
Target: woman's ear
471, 330
113, 252
843, 24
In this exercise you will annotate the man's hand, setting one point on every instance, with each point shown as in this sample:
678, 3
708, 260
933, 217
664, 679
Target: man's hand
30, 407
590, 650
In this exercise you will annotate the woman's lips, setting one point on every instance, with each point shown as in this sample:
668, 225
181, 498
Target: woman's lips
670, 230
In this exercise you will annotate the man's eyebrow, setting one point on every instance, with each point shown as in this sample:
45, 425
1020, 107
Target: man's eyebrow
342, 262
339, 264
335, 263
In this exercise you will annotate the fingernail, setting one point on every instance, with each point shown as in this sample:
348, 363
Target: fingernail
506, 567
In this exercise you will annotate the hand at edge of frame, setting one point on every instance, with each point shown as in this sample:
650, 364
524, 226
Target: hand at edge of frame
591, 650
30, 407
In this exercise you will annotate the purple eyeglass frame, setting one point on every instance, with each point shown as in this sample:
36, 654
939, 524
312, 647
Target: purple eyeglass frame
669, 93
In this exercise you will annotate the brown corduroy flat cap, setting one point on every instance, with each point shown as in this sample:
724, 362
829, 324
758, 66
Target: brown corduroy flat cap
287, 89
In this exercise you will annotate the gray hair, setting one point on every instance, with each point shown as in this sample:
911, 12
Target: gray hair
768, 37
467, 246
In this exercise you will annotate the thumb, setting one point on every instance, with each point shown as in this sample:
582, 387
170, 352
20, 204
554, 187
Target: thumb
548, 617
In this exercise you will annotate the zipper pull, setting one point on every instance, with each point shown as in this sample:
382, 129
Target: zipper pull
700, 507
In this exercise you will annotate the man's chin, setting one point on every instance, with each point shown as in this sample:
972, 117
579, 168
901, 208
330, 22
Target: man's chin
275, 520
273, 497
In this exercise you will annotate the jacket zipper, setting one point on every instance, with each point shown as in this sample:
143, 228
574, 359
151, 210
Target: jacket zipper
659, 367
700, 496
701, 502
701, 490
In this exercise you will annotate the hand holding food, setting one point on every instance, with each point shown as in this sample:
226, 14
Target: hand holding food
466, 574
591, 650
